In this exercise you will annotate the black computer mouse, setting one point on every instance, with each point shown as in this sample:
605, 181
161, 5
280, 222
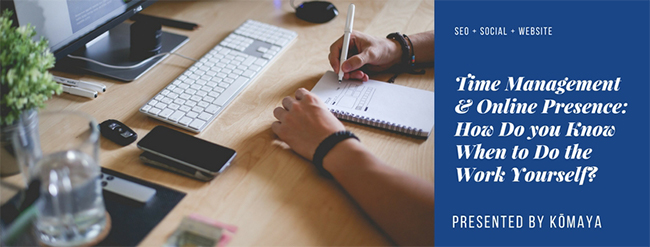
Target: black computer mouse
317, 11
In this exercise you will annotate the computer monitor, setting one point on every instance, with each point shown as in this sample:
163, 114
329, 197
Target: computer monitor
94, 29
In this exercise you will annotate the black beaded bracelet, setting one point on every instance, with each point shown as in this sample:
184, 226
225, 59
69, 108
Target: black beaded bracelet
408, 55
406, 50
326, 145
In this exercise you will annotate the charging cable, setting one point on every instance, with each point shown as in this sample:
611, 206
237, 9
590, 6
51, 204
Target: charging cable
131, 66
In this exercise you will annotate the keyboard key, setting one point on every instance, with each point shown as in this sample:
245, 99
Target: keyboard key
205, 116
166, 100
203, 104
179, 101
184, 108
154, 111
185, 121
176, 116
248, 73
230, 91
212, 109
250, 60
218, 90
206, 89
197, 124
161, 105
165, 113
196, 98
260, 62
173, 106
198, 109
256, 68
146, 108
191, 114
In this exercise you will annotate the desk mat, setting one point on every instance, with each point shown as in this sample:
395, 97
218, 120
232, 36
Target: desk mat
132, 221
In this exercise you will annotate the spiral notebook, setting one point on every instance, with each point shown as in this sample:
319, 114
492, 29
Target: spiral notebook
378, 104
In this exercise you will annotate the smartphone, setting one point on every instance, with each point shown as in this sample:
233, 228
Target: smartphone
186, 150
175, 167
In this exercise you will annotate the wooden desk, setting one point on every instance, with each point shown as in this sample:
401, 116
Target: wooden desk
274, 196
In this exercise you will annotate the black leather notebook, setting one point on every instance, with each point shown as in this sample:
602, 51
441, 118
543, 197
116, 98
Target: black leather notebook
131, 220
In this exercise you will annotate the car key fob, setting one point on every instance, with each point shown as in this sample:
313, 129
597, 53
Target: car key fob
117, 132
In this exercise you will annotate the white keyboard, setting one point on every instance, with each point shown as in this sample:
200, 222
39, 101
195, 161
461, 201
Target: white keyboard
194, 99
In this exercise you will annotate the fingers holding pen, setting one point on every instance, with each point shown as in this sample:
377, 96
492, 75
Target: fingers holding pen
335, 53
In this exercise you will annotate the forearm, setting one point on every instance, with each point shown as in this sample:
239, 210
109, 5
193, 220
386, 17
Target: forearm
402, 205
423, 45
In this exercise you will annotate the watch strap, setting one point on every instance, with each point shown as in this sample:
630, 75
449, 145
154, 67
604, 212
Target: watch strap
326, 145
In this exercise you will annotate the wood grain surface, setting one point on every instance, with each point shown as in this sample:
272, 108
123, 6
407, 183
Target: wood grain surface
274, 196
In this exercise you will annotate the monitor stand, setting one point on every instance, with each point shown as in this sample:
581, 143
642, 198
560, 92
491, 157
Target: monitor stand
113, 49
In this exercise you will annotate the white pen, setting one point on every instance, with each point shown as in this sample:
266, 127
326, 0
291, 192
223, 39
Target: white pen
346, 39
79, 91
81, 84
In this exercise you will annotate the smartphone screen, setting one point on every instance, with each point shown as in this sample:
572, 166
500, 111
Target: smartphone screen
186, 149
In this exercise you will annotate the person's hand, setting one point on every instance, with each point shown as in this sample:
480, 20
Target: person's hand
304, 122
369, 52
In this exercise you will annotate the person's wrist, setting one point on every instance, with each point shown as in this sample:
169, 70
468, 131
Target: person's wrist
326, 146
347, 148
394, 52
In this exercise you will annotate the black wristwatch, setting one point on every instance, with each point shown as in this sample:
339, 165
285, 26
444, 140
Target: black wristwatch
326, 145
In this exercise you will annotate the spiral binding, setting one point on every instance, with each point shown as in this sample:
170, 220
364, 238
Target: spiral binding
375, 122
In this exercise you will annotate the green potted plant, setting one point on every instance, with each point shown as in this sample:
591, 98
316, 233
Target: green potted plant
25, 83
